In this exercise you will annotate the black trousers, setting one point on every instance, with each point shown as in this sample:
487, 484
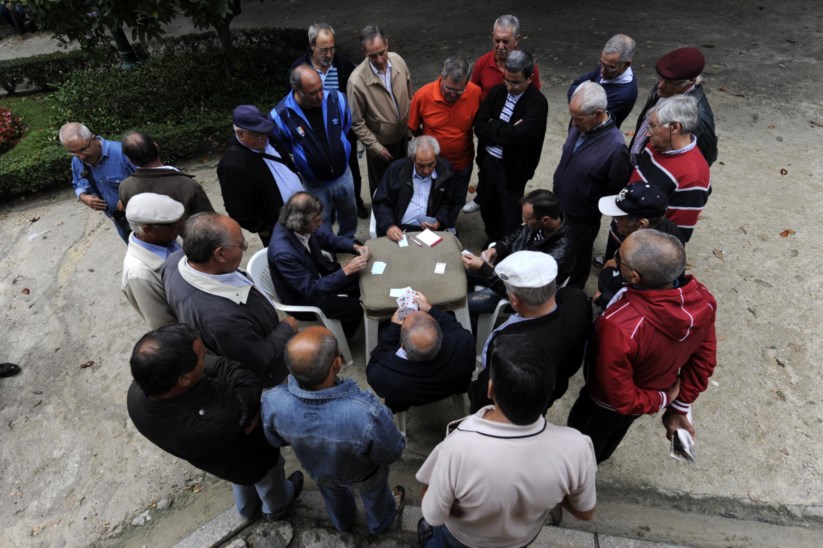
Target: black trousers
606, 428
377, 166
583, 233
344, 307
354, 166
499, 202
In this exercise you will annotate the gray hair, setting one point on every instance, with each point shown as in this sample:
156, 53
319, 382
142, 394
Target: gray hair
456, 69
508, 21
317, 28
533, 296
204, 233
592, 97
416, 325
658, 258
520, 61
425, 141
369, 33
74, 130
313, 370
299, 211
296, 76
622, 44
678, 108
137, 228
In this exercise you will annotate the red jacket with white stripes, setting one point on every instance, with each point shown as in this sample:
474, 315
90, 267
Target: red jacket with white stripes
644, 339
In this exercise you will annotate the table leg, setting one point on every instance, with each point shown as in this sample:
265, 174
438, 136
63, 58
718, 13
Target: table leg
462, 316
370, 325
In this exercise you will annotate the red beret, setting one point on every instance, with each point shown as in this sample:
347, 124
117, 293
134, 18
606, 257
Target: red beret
681, 64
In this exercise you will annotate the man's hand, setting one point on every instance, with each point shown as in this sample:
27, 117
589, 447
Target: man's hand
611, 263
422, 302
672, 421
395, 318
355, 265
472, 262
98, 204
362, 250
386, 156
489, 255
292, 323
394, 233
431, 226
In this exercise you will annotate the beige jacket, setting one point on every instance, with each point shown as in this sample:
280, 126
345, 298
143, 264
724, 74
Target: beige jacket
375, 120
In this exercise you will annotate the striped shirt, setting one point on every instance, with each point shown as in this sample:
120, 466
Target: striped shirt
505, 115
330, 81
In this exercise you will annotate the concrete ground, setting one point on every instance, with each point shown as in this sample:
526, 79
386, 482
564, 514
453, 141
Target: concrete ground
75, 472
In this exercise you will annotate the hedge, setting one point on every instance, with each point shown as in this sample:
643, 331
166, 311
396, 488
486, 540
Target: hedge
181, 97
42, 72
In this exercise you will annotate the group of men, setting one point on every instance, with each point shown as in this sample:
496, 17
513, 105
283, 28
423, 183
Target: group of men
231, 383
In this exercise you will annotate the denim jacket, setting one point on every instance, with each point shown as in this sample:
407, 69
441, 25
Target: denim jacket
340, 434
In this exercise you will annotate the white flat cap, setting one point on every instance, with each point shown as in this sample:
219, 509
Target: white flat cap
151, 208
527, 269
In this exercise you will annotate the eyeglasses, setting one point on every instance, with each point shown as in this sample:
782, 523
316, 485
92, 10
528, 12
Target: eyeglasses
619, 260
324, 51
244, 246
651, 127
607, 67
83, 150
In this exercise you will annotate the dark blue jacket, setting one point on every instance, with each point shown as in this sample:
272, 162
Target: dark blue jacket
310, 156
600, 167
304, 278
621, 96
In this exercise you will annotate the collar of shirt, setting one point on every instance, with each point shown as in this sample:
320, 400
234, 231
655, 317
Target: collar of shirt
401, 353
104, 151
234, 286
419, 178
686, 148
159, 250
304, 239
172, 168
478, 424
377, 72
624, 78
517, 97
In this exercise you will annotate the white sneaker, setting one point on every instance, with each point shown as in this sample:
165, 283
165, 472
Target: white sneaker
471, 207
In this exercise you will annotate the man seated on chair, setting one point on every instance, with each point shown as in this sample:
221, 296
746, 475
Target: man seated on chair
206, 289
305, 272
423, 358
544, 229
416, 192
558, 320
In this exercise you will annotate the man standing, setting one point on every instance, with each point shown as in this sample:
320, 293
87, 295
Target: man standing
653, 348
313, 123
673, 162
304, 270
558, 320
152, 176
206, 290
446, 109
615, 74
204, 409
421, 359
379, 92
679, 74
594, 163
510, 128
97, 168
256, 173
494, 479
544, 230
334, 69
416, 192
342, 435
155, 221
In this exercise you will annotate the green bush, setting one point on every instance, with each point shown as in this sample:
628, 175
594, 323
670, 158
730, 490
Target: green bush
38, 162
41, 71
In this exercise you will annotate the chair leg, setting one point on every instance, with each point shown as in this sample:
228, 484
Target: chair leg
484, 329
462, 316
342, 344
370, 328
400, 422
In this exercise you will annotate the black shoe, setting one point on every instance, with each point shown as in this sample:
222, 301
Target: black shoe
296, 479
9, 369
424, 531
362, 211
599, 261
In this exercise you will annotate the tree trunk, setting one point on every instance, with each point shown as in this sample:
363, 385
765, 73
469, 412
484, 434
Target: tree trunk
221, 25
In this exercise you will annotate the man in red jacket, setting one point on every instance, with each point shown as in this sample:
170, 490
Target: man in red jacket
653, 348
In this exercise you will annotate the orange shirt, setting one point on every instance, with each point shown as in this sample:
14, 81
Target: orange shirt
451, 125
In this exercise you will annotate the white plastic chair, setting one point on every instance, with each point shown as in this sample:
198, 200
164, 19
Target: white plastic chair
372, 225
485, 325
459, 408
258, 268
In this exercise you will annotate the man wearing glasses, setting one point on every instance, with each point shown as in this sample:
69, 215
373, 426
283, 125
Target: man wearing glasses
334, 70
446, 109
614, 73
510, 128
679, 74
206, 289
97, 168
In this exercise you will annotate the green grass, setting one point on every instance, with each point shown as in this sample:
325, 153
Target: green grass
37, 111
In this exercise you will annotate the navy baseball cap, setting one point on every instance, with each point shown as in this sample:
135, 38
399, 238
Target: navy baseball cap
638, 200
249, 117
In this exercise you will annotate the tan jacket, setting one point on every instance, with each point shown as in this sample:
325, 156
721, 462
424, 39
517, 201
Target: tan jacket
375, 120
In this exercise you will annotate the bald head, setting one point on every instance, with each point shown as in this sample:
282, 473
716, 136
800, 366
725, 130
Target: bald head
307, 86
658, 258
311, 355
421, 337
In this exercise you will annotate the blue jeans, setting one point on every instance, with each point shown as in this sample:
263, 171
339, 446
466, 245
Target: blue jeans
337, 195
483, 301
274, 491
461, 187
443, 538
375, 495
